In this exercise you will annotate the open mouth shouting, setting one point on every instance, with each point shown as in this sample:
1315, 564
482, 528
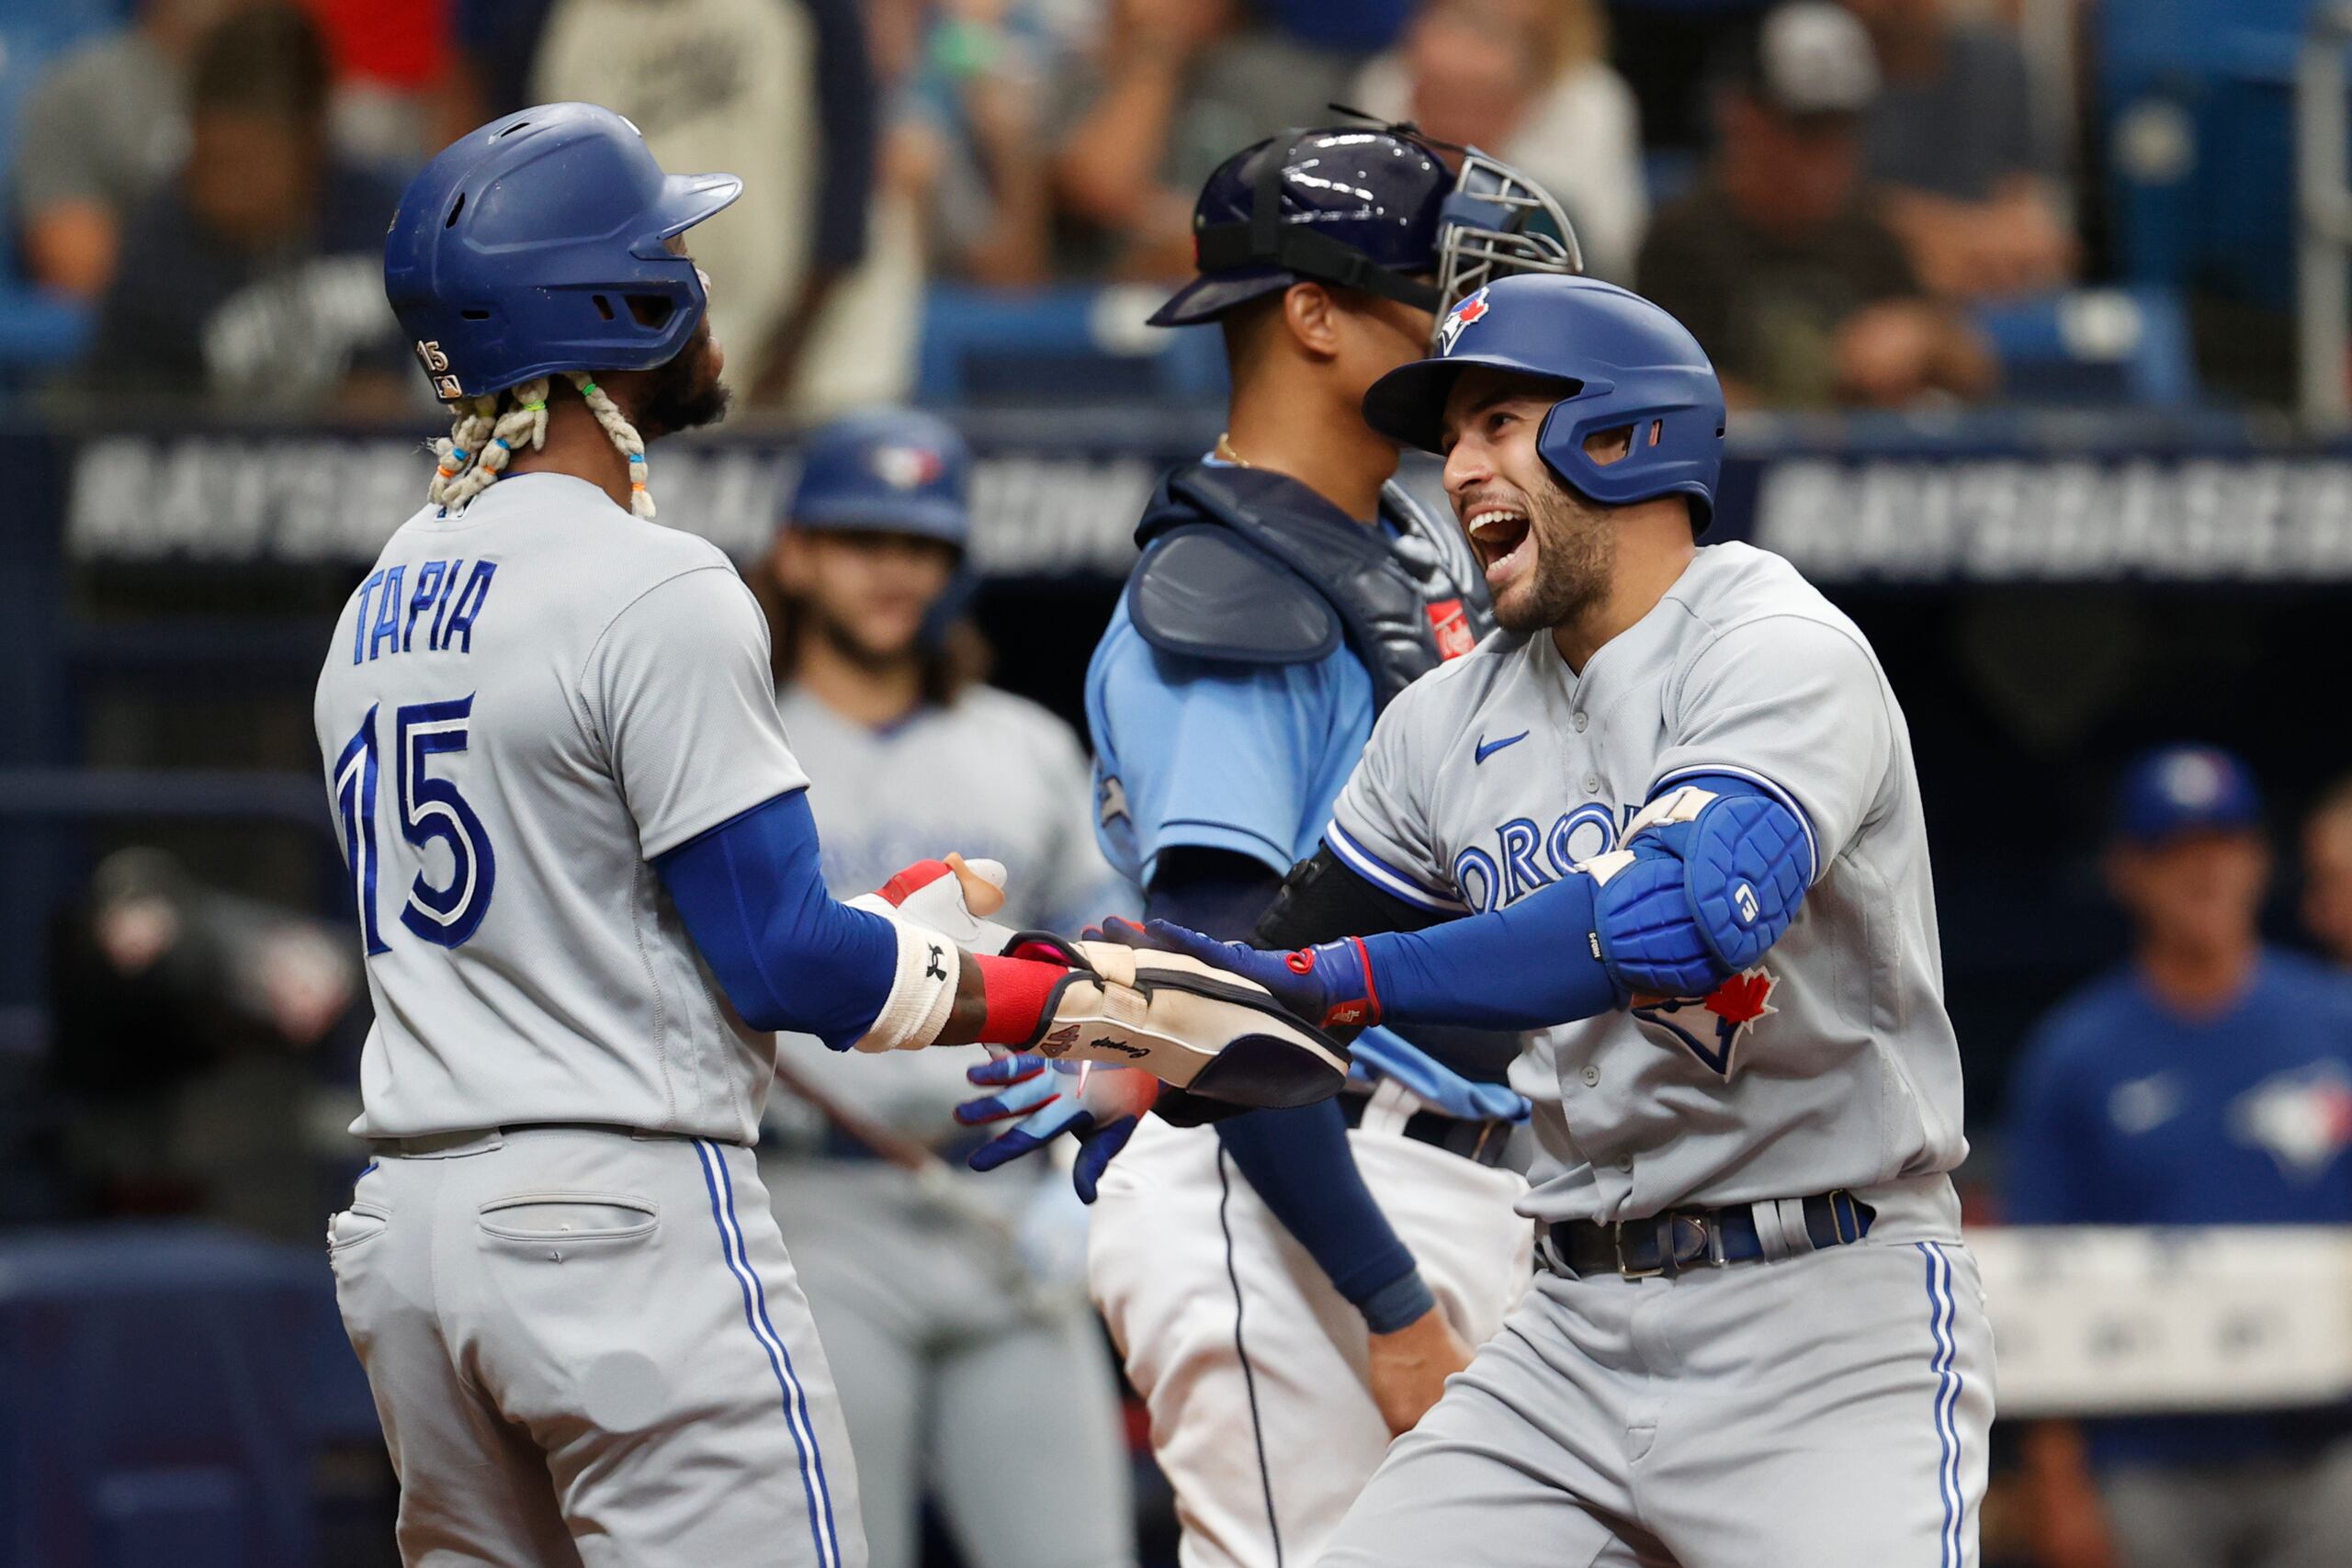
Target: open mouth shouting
1499, 531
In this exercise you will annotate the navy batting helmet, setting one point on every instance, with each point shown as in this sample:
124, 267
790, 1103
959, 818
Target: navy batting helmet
1620, 361
893, 469
1367, 207
540, 243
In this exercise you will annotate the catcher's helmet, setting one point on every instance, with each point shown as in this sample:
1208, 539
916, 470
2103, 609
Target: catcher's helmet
1368, 207
538, 244
1620, 361
893, 469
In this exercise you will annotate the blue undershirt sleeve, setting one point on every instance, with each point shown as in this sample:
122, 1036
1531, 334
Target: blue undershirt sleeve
788, 957
1297, 1161
1527, 967
1537, 962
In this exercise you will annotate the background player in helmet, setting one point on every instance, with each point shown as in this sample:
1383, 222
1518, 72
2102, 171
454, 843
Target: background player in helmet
1677, 793
1298, 1284
934, 1325
568, 806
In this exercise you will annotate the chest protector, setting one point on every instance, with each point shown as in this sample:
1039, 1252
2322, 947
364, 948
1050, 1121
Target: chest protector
1250, 567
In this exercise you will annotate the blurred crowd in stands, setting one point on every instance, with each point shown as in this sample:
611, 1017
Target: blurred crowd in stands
1821, 189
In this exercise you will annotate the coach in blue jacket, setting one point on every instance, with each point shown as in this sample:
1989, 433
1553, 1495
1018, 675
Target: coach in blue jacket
2207, 1081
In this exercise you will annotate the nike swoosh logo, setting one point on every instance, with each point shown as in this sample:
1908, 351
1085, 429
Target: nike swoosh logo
1486, 748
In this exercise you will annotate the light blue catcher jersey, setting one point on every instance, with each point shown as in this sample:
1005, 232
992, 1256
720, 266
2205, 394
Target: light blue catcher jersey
524, 704
1192, 752
1832, 1063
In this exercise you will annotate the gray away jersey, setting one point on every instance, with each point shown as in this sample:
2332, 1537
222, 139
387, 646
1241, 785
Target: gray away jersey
1832, 1063
524, 704
993, 775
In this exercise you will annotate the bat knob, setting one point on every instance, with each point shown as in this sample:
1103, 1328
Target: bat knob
981, 896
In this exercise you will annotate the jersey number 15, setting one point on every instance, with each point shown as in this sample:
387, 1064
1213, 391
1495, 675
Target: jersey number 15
430, 808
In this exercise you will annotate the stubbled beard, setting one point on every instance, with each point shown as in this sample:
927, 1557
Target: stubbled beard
681, 395
844, 640
1576, 558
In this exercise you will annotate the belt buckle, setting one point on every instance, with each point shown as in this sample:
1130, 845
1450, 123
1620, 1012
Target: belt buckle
1626, 1270
1706, 1244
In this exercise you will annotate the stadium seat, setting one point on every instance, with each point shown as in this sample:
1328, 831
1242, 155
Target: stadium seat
39, 330
2197, 101
160, 1387
2094, 345
1083, 345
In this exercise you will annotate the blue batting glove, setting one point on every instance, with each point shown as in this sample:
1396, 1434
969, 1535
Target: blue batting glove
1329, 985
1044, 1100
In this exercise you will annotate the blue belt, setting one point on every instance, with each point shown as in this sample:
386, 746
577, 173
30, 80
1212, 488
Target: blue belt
1664, 1243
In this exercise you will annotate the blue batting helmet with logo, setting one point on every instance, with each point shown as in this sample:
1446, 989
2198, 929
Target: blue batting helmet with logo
1619, 361
889, 470
540, 243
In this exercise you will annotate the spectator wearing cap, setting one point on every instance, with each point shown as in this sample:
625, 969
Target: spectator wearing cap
1952, 144
1779, 261
1530, 81
2206, 1082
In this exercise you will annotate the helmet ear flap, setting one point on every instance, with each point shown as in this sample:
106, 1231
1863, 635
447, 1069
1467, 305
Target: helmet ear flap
1666, 449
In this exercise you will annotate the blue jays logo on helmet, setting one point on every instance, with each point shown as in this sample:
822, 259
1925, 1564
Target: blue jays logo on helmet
1618, 361
1467, 314
893, 471
907, 467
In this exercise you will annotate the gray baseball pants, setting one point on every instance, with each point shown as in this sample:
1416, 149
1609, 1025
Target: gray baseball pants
1825, 1410
588, 1347
959, 1377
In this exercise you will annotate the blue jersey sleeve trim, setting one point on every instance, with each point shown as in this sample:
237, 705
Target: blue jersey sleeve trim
752, 896
1764, 786
1387, 877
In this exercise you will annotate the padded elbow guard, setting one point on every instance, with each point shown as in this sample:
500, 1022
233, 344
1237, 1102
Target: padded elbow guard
1705, 882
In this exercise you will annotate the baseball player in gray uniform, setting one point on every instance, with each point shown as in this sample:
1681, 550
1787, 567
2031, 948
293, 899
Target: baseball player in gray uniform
573, 824
1676, 795
935, 1325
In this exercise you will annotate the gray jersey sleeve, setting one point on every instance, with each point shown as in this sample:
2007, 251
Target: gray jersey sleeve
679, 698
1798, 706
1381, 824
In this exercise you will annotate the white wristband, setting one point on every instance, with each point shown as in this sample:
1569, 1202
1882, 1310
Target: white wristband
921, 992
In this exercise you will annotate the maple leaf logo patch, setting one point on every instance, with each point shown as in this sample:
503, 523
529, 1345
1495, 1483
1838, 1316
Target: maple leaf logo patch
1710, 1026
